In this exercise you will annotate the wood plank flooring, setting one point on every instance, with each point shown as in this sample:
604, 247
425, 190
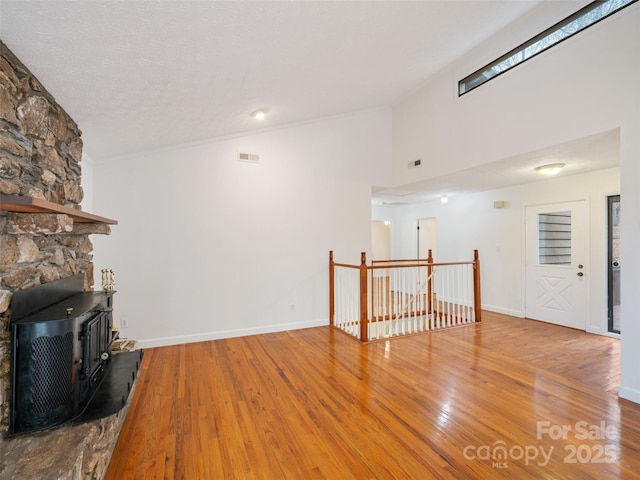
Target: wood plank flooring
487, 400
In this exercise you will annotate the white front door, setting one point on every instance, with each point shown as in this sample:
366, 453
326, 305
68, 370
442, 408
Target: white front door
556, 269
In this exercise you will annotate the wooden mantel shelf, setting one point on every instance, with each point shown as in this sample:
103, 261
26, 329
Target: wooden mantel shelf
22, 204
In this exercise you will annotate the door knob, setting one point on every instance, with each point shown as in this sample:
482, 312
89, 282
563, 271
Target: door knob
580, 274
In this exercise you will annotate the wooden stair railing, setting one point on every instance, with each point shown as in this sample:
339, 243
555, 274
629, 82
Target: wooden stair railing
366, 304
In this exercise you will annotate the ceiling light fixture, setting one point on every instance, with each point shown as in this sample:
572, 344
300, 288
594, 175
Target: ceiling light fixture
259, 114
444, 199
550, 169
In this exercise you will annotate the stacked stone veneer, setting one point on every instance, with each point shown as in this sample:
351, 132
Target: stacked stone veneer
40, 153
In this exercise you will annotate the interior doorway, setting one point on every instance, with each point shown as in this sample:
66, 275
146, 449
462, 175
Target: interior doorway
380, 240
426, 239
614, 264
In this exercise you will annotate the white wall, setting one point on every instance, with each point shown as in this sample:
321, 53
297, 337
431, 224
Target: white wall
580, 87
208, 247
471, 222
585, 85
629, 281
87, 182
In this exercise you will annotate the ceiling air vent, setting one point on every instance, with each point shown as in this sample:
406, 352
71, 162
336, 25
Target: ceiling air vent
248, 157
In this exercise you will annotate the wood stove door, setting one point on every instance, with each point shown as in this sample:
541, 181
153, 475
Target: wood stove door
95, 338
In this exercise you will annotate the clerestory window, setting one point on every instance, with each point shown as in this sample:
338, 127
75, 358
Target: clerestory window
583, 18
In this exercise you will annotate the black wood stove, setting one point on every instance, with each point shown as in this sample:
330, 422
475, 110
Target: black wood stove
62, 367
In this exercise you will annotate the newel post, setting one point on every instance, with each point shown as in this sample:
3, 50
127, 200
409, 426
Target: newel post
477, 302
364, 314
332, 302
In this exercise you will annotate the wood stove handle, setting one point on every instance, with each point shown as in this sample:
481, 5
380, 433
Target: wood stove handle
107, 309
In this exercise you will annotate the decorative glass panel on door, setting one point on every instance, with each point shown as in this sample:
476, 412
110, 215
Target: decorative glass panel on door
554, 238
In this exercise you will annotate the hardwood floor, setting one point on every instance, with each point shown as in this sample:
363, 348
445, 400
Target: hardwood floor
315, 403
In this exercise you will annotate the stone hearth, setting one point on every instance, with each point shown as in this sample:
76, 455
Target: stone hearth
70, 452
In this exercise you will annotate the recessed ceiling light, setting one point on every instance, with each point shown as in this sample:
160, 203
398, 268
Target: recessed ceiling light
259, 114
550, 169
444, 199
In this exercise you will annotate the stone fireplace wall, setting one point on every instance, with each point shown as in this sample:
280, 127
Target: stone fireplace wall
40, 153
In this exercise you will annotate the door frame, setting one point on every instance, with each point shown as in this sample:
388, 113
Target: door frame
610, 270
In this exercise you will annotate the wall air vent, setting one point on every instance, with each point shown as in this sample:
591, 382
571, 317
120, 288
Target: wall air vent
415, 163
248, 157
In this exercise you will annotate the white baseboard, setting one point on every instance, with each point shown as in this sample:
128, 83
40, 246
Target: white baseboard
629, 394
504, 311
242, 332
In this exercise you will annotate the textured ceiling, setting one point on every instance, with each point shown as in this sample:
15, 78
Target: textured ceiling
140, 75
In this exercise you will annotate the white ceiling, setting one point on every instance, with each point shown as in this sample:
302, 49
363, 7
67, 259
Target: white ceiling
582, 155
140, 75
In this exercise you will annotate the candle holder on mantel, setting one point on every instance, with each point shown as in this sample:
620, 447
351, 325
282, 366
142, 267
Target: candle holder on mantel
108, 280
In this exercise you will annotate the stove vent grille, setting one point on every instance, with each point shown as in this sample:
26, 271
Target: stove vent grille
51, 374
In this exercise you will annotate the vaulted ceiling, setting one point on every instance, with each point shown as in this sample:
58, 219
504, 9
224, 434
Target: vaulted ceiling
141, 75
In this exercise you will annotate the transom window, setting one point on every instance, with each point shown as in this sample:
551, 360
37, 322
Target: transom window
583, 18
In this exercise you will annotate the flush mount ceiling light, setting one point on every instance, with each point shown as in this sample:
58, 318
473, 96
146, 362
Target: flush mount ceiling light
550, 169
259, 114
444, 199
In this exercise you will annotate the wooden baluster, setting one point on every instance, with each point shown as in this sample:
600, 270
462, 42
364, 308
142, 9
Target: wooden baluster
420, 310
454, 294
332, 305
407, 302
403, 297
414, 299
459, 296
477, 303
429, 283
383, 304
394, 304
469, 313
338, 300
374, 295
439, 308
379, 294
447, 318
364, 317
373, 282
465, 310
